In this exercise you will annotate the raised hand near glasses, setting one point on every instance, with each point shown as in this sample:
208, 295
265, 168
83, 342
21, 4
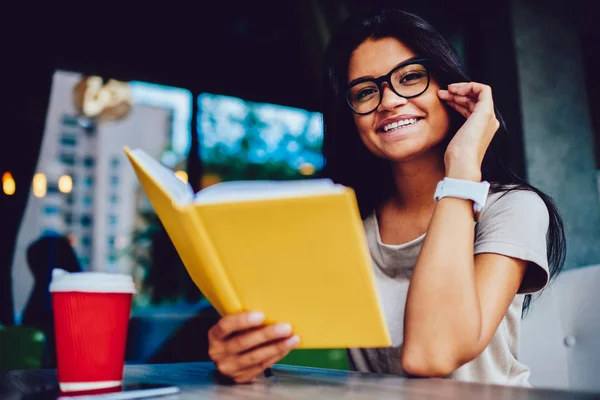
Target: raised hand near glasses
467, 148
242, 346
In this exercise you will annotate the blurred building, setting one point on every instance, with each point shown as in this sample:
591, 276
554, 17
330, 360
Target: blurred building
91, 192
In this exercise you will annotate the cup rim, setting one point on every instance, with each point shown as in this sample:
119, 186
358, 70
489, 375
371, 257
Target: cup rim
93, 282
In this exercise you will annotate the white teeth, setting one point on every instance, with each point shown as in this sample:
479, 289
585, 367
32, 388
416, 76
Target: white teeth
399, 124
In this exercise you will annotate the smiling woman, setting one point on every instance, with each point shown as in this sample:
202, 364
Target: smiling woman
414, 137
418, 141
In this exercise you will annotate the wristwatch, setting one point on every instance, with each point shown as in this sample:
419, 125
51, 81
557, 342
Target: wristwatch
464, 189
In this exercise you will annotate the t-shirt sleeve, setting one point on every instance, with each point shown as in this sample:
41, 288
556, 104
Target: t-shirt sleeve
515, 224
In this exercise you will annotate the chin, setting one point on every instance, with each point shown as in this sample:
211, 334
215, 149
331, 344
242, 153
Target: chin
405, 150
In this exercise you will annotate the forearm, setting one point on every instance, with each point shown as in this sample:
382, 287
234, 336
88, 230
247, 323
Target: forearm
443, 317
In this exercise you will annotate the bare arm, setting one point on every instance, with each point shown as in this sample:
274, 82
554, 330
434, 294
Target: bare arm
456, 300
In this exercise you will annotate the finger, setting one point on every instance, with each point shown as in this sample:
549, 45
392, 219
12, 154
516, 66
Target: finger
444, 94
464, 101
248, 375
273, 360
257, 337
266, 353
462, 110
483, 93
454, 86
230, 324
462, 88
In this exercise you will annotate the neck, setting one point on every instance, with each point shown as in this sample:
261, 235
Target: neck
416, 180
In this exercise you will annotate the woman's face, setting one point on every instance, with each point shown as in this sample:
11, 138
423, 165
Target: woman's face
375, 58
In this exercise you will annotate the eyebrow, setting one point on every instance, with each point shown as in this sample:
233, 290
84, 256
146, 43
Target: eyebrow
370, 77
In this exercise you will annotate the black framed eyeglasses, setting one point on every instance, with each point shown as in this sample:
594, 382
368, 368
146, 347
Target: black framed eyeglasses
408, 80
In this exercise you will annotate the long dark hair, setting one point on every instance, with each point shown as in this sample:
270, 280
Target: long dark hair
350, 163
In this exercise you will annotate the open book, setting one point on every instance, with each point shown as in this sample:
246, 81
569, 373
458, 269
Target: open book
295, 250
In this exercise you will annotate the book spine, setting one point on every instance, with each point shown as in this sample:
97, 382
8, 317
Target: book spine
228, 300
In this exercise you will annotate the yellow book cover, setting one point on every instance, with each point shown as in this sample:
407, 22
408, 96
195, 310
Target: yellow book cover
295, 250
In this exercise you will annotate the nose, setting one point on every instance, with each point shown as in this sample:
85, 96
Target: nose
389, 99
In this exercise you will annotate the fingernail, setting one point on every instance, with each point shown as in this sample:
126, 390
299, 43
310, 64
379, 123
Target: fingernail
283, 329
458, 84
256, 317
293, 341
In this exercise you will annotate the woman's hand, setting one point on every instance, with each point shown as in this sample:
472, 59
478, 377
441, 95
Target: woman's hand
242, 347
466, 150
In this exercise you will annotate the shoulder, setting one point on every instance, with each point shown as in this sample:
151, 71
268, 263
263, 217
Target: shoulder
515, 203
515, 223
517, 217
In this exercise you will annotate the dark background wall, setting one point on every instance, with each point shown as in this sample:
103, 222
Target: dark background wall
270, 51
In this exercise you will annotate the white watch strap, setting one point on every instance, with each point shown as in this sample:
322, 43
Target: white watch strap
463, 189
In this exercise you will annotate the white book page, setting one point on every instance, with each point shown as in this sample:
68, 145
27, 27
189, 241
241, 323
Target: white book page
259, 190
181, 192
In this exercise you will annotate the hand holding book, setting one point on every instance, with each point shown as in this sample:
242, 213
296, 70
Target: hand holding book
242, 346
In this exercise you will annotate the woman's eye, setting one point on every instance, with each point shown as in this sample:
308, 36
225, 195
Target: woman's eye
365, 93
412, 77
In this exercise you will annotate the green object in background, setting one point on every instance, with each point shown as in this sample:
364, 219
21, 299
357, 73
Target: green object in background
21, 347
319, 358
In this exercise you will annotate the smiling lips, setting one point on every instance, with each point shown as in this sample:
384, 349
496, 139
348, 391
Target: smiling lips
396, 123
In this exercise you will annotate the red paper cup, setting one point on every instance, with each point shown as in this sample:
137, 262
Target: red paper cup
91, 314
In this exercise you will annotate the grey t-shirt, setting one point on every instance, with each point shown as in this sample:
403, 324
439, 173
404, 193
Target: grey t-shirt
513, 224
